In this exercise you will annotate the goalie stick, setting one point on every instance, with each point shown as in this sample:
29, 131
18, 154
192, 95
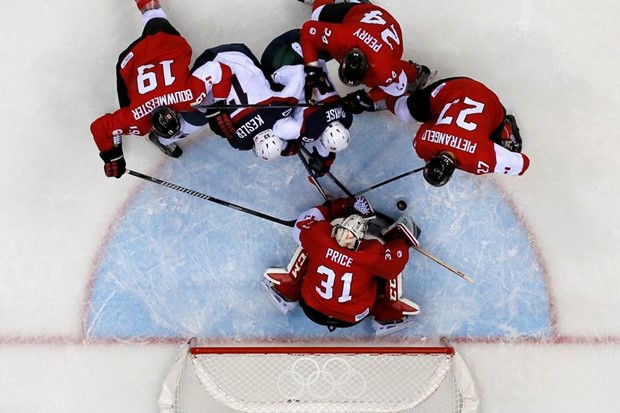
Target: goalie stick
390, 220
211, 199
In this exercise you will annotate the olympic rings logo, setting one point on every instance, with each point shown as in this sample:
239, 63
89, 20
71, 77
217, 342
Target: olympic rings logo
308, 380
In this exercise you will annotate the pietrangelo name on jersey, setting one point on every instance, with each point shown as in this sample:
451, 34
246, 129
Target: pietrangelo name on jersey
147, 107
452, 141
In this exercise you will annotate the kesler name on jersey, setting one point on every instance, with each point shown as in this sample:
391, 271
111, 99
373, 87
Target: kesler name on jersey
250, 126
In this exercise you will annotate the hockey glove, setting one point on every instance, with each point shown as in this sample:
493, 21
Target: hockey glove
221, 124
404, 228
114, 162
291, 148
315, 78
320, 165
358, 102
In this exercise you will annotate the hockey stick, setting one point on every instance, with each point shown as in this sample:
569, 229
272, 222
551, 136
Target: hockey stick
311, 176
443, 264
387, 181
264, 105
210, 198
389, 219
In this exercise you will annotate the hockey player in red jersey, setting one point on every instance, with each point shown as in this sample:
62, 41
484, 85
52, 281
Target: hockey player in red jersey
153, 72
366, 41
464, 126
339, 275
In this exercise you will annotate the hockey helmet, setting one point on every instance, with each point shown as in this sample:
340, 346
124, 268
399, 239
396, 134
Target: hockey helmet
439, 170
353, 66
267, 145
166, 122
350, 231
335, 137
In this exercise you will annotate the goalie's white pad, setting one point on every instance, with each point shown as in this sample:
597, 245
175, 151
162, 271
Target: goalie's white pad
292, 271
280, 302
383, 329
407, 227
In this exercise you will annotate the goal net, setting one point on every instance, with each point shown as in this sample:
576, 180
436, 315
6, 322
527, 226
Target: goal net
318, 380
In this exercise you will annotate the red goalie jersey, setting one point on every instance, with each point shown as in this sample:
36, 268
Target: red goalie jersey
372, 30
341, 282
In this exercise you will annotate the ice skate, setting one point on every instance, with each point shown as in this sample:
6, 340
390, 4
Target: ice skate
514, 142
424, 77
282, 304
173, 150
383, 328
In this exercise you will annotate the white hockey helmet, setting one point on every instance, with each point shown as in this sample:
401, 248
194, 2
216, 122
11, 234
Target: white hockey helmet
267, 145
350, 231
335, 137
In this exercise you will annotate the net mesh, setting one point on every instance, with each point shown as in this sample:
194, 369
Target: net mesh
325, 382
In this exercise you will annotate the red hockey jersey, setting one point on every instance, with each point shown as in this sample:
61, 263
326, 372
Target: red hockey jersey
464, 113
372, 30
340, 282
156, 73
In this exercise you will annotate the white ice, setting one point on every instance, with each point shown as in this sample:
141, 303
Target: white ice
69, 260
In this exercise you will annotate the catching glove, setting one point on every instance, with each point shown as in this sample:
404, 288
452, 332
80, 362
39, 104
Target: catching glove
114, 162
362, 207
358, 102
221, 124
343, 207
315, 78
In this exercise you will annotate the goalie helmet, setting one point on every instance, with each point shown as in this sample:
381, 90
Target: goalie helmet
267, 145
335, 137
166, 122
439, 170
350, 231
352, 70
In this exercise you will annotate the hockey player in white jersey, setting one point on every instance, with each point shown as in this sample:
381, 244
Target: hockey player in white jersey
324, 128
270, 132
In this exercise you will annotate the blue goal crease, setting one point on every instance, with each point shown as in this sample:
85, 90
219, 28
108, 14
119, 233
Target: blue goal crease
178, 265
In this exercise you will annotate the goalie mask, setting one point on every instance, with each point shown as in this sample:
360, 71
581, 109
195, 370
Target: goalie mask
166, 122
267, 145
352, 70
439, 170
350, 231
335, 137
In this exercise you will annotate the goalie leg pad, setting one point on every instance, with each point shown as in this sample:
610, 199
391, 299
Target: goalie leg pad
390, 305
287, 282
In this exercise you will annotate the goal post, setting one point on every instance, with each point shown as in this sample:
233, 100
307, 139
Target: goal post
318, 379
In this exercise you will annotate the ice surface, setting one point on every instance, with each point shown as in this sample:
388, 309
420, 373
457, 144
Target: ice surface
100, 279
